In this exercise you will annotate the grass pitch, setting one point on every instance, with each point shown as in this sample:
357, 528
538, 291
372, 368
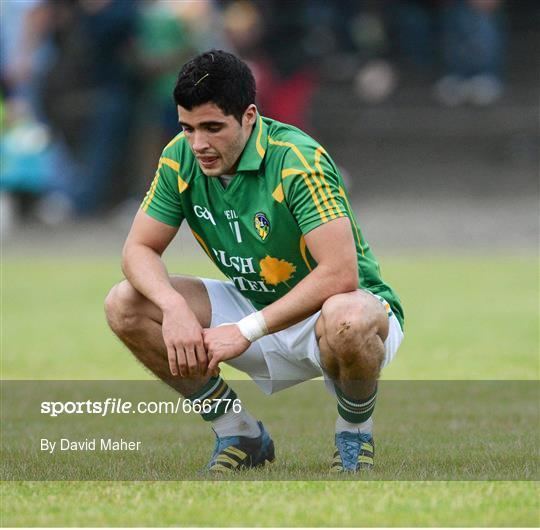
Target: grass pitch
466, 318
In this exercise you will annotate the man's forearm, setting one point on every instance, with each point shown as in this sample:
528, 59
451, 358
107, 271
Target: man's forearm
308, 296
145, 270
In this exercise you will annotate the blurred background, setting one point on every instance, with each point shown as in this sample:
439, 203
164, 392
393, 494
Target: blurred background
430, 107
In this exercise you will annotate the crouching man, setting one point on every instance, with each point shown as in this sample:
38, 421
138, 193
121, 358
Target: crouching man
304, 298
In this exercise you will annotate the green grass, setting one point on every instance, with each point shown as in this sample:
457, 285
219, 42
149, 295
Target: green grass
463, 441
467, 317
271, 503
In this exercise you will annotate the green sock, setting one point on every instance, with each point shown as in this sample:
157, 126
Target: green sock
216, 398
355, 410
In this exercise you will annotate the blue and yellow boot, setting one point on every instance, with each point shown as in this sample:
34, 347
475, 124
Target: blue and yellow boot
355, 451
233, 453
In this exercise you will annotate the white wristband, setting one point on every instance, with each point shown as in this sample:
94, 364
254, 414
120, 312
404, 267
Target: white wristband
253, 327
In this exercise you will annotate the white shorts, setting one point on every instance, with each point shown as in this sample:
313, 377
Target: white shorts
285, 358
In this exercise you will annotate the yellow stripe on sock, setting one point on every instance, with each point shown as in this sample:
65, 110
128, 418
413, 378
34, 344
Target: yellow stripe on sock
218, 392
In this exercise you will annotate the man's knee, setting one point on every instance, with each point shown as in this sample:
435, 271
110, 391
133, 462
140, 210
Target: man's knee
121, 308
351, 323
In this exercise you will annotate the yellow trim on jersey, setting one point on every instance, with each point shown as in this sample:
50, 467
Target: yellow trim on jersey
302, 159
203, 244
303, 252
169, 162
260, 148
150, 195
352, 218
318, 153
278, 194
174, 140
294, 148
182, 184
314, 197
329, 209
289, 172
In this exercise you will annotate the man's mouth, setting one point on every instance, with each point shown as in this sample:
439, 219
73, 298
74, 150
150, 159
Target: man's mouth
207, 161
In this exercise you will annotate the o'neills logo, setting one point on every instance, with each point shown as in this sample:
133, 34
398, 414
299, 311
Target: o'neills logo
262, 225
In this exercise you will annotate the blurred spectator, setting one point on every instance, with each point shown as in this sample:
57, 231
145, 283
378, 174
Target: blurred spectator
473, 52
415, 24
24, 27
205, 23
274, 40
167, 35
35, 168
162, 45
464, 39
89, 92
98, 75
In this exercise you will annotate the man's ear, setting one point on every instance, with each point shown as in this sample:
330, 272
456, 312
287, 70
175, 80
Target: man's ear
250, 115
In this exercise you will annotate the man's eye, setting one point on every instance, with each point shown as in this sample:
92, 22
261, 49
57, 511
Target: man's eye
214, 129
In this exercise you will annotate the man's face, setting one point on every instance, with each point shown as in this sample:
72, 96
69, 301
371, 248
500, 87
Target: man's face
216, 140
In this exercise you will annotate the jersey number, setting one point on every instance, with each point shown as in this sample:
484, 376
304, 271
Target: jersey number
235, 227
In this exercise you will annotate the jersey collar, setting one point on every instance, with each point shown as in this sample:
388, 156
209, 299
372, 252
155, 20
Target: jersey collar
255, 149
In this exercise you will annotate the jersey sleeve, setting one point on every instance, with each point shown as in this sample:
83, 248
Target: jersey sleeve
313, 188
162, 201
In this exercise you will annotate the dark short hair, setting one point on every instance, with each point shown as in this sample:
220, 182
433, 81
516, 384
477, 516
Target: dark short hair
217, 77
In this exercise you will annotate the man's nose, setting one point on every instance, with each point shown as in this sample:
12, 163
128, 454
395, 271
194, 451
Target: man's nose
200, 142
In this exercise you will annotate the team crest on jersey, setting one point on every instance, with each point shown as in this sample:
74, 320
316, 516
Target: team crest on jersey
262, 225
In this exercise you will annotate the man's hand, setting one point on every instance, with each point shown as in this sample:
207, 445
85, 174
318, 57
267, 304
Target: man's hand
183, 336
223, 343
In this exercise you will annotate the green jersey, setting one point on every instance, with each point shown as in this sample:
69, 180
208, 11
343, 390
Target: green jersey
253, 230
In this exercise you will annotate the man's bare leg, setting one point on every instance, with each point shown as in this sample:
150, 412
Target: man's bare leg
351, 330
137, 323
